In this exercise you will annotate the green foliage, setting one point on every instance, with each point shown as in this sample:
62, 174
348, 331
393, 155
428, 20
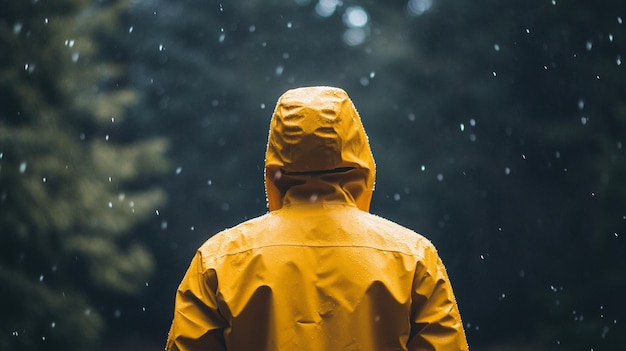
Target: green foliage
70, 192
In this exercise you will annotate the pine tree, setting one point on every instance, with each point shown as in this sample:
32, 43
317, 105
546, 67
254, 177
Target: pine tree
72, 187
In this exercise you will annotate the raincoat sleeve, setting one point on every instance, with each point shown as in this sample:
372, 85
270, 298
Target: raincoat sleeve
197, 323
435, 319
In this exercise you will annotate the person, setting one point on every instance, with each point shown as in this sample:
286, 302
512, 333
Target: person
318, 271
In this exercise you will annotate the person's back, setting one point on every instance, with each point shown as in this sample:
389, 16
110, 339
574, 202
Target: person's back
318, 272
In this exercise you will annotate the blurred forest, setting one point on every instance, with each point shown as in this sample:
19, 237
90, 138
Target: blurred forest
131, 131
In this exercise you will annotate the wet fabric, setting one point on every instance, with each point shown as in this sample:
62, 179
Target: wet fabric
318, 271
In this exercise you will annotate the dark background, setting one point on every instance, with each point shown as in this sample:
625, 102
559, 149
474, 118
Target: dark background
131, 131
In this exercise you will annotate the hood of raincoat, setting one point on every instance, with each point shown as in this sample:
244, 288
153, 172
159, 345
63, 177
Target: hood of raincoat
316, 139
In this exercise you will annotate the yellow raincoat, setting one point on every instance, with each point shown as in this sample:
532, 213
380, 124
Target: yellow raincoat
317, 272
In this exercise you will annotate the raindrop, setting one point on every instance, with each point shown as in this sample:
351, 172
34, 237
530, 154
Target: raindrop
43, 180
110, 204
611, 37
553, 2
527, 31
496, 47
581, 104
41, 278
313, 198
462, 126
372, 75
440, 177
157, 212
584, 120
252, 28
411, 117
494, 73
364, 81
289, 25
423, 168
605, 331
589, 45
117, 313
17, 27
619, 20
396, 197
507, 170
222, 37
472, 122
209, 182
163, 225
75, 57
262, 106
23, 166
53, 324
179, 170
106, 137
279, 70
130, 29
161, 47
618, 60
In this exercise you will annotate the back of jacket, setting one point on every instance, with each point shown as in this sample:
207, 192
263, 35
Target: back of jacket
318, 272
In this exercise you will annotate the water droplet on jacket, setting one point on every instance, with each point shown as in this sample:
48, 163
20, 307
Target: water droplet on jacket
277, 175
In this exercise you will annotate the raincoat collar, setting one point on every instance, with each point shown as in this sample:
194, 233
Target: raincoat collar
318, 151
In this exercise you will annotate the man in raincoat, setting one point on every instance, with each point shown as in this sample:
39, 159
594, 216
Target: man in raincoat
318, 271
